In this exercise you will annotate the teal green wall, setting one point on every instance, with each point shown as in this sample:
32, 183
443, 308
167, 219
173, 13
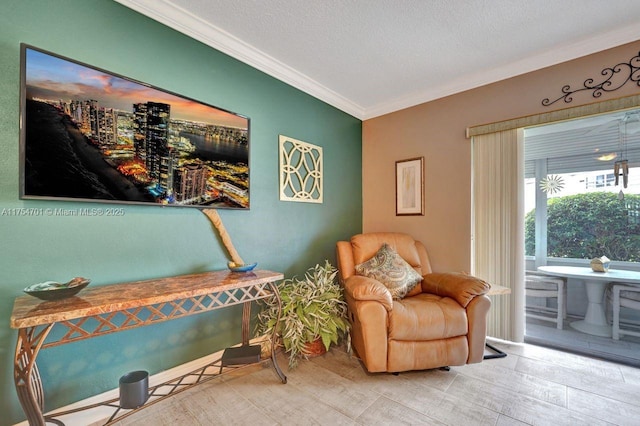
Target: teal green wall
151, 241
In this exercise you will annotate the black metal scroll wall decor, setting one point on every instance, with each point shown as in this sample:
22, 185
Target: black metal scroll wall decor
614, 79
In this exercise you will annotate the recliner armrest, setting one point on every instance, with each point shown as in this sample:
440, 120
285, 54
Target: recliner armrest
361, 288
460, 287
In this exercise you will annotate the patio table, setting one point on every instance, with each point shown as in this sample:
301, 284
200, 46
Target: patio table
595, 321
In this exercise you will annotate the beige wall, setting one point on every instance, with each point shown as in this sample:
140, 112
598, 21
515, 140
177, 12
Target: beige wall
436, 130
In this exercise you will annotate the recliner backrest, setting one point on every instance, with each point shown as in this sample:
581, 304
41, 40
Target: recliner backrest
364, 246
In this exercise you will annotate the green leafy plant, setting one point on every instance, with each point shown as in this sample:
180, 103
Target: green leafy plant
312, 308
584, 226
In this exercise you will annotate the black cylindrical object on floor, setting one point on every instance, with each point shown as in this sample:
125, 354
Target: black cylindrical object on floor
134, 389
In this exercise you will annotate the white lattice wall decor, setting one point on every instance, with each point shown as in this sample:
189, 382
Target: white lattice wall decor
300, 171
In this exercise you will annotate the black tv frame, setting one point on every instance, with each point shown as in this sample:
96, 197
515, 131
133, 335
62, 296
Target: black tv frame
78, 141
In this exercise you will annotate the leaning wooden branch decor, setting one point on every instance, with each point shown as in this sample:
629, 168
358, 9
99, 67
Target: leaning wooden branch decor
213, 216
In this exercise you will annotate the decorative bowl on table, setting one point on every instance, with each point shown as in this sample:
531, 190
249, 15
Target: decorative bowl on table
241, 267
600, 264
52, 290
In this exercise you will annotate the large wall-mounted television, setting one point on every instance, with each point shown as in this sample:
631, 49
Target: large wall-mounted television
87, 134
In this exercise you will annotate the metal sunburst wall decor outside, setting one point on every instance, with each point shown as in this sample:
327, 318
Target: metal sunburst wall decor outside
552, 184
300, 171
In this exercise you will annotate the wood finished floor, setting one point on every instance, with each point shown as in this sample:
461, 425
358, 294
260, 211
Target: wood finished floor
533, 385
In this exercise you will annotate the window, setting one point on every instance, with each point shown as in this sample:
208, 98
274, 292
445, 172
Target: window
599, 180
574, 205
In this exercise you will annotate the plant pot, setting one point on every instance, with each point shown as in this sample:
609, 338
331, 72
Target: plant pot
315, 348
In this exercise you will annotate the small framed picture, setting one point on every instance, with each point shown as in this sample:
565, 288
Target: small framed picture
410, 187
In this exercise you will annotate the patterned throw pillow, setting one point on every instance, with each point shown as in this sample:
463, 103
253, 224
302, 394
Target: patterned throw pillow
391, 270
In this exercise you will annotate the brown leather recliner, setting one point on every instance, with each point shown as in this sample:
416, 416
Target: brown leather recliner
441, 322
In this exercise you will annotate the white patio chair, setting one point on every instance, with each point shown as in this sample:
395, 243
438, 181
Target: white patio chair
545, 286
627, 296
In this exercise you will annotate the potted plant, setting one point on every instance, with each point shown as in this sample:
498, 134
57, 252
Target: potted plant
314, 313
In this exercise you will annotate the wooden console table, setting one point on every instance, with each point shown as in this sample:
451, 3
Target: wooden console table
100, 310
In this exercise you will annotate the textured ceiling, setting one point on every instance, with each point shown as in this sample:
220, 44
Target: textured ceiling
371, 57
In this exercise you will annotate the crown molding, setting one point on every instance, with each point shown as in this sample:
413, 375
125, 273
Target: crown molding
560, 53
186, 23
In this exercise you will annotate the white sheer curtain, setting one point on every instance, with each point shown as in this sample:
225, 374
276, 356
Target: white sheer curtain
498, 226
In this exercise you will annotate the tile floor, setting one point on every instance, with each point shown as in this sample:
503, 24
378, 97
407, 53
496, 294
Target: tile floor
533, 385
626, 350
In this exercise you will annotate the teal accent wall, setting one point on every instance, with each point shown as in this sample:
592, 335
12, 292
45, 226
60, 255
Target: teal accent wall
150, 241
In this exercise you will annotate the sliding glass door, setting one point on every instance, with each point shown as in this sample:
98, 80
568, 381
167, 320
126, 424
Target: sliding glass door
581, 201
